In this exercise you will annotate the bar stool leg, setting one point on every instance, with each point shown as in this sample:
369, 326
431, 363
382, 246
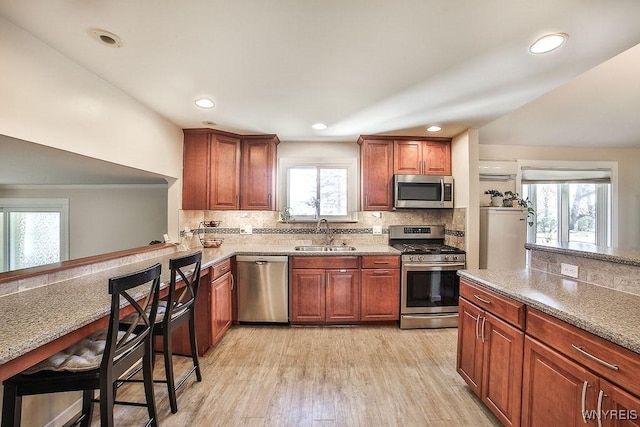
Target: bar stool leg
168, 367
87, 408
194, 346
147, 373
11, 406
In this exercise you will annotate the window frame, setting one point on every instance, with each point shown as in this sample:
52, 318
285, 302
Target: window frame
350, 164
60, 205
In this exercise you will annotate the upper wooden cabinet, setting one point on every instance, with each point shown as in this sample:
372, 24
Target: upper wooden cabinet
224, 171
376, 165
258, 173
383, 156
422, 157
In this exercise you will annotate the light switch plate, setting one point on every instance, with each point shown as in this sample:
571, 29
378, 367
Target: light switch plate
246, 229
569, 270
377, 229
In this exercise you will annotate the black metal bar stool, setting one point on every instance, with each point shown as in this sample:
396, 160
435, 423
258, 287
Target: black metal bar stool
179, 309
96, 362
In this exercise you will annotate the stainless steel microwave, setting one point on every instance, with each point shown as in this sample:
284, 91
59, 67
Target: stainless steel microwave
422, 191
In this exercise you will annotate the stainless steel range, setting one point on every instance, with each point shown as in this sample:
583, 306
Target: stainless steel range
429, 285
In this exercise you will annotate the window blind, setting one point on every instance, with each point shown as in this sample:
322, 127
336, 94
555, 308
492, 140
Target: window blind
560, 175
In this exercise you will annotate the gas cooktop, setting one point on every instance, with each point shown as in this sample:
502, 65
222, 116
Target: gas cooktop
426, 248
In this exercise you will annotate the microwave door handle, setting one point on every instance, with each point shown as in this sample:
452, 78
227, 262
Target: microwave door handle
442, 190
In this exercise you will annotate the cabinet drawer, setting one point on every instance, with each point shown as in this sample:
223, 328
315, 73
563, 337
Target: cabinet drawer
220, 268
505, 308
609, 360
325, 262
380, 262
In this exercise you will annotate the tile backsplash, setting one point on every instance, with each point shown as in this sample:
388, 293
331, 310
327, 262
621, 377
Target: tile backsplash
267, 229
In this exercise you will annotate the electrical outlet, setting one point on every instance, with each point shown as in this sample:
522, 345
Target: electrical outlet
246, 229
569, 270
377, 229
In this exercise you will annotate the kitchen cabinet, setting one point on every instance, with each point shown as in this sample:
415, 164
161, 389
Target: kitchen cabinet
380, 288
258, 173
572, 377
490, 350
210, 177
222, 284
224, 171
376, 166
422, 157
324, 289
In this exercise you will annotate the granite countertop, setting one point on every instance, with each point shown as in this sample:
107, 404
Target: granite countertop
607, 313
35, 317
628, 256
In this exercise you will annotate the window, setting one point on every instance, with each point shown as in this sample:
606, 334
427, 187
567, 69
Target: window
316, 189
570, 205
32, 232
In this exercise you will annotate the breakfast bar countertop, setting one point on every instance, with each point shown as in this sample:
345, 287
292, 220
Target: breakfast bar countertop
32, 318
607, 313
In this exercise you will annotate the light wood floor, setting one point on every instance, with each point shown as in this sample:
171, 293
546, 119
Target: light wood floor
319, 376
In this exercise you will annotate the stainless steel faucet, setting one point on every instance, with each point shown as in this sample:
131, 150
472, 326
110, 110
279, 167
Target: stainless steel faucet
328, 234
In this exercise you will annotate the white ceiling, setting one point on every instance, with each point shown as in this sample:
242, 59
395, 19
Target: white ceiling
364, 66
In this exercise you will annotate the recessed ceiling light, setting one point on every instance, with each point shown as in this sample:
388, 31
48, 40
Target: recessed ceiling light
205, 103
434, 128
548, 43
208, 123
105, 37
319, 126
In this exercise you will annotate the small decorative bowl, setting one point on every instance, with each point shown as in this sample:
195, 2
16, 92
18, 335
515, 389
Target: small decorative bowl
211, 223
212, 243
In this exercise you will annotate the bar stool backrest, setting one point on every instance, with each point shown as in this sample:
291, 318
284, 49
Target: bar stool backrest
126, 342
186, 269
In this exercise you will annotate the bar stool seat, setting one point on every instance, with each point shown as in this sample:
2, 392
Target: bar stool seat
98, 361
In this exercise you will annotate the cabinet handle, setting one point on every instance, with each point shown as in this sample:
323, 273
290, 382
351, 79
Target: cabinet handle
380, 271
595, 359
484, 320
342, 270
233, 282
584, 401
381, 262
269, 201
599, 414
479, 298
477, 323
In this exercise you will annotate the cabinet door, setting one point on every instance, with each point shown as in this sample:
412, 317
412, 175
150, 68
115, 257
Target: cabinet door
380, 294
258, 174
436, 158
555, 389
470, 349
502, 369
308, 301
224, 175
343, 296
407, 157
616, 407
195, 171
221, 306
376, 158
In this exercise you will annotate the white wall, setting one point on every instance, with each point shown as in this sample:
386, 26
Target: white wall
625, 214
48, 99
464, 158
107, 218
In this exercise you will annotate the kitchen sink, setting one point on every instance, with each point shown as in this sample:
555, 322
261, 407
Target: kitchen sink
322, 248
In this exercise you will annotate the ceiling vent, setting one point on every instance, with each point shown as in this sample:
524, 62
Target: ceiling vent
497, 170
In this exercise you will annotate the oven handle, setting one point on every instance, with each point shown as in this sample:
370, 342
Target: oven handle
433, 267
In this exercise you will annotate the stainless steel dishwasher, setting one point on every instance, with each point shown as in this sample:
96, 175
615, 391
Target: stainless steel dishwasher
263, 289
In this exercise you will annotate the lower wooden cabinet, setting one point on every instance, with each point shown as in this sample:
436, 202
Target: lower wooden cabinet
324, 290
490, 360
552, 374
380, 288
221, 313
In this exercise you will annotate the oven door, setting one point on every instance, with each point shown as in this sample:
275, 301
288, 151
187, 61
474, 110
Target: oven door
430, 288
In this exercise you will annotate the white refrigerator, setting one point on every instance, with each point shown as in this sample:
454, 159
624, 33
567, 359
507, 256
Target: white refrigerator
503, 234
